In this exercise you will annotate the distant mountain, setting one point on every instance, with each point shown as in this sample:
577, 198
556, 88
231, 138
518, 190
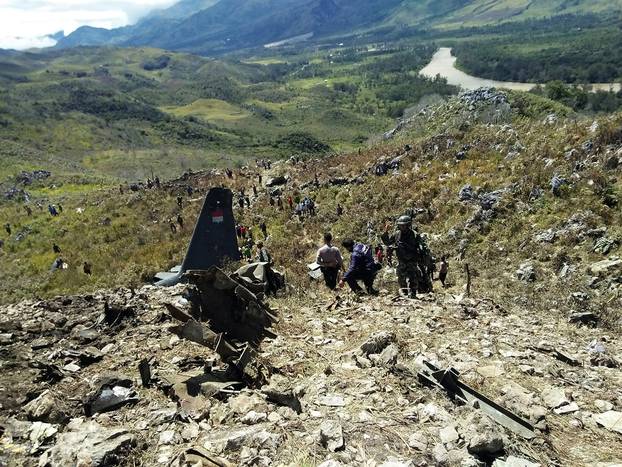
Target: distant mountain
181, 10
212, 26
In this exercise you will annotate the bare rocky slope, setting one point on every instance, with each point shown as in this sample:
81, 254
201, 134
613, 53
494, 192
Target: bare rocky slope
525, 196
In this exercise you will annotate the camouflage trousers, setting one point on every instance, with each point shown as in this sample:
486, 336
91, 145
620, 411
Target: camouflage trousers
409, 276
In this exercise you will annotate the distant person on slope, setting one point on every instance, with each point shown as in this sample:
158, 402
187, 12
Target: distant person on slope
442, 271
330, 261
362, 267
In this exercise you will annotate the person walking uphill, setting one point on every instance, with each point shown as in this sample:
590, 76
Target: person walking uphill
330, 261
362, 267
407, 246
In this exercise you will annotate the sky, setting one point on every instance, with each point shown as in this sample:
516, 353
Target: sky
24, 23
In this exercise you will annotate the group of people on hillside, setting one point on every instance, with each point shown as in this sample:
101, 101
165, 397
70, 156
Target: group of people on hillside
415, 263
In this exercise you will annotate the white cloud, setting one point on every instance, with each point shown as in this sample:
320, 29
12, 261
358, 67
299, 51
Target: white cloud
24, 23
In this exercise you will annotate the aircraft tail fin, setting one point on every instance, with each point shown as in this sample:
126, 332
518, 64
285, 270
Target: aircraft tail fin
213, 239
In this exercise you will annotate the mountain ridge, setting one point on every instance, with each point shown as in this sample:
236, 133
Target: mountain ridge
207, 26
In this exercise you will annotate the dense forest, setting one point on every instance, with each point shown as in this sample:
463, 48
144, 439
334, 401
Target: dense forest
569, 49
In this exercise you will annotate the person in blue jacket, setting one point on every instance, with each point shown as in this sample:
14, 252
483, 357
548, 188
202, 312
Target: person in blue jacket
362, 267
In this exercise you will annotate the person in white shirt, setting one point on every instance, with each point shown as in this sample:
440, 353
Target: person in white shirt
330, 261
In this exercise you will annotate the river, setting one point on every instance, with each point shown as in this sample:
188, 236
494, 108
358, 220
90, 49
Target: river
444, 64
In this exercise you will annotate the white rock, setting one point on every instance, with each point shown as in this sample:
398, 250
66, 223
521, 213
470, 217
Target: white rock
448, 434
554, 397
274, 417
332, 400
167, 437
513, 461
611, 420
602, 405
491, 371
568, 408
252, 417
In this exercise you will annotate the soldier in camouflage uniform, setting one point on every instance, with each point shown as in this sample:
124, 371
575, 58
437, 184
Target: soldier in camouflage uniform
407, 245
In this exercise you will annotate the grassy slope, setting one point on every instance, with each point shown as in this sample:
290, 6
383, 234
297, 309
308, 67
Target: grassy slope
138, 242
450, 14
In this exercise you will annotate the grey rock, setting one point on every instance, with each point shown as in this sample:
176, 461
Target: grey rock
605, 267
389, 355
377, 342
88, 443
418, 441
526, 273
234, 440
604, 245
331, 435
554, 397
47, 408
466, 193
548, 236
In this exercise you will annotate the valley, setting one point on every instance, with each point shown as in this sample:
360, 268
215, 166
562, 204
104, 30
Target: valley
476, 119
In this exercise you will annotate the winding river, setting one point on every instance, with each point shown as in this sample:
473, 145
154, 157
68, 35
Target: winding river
443, 64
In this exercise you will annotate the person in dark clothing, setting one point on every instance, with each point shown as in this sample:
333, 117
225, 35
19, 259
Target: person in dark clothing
248, 202
55, 248
362, 267
180, 202
60, 208
86, 267
262, 255
157, 182
7, 227
180, 221
241, 202
339, 209
407, 246
255, 190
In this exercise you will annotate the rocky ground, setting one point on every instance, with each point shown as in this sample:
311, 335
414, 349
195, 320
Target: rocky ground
341, 388
114, 377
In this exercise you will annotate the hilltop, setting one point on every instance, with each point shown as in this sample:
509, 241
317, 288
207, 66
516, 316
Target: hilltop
517, 186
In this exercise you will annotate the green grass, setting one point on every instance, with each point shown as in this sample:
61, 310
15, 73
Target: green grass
214, 110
